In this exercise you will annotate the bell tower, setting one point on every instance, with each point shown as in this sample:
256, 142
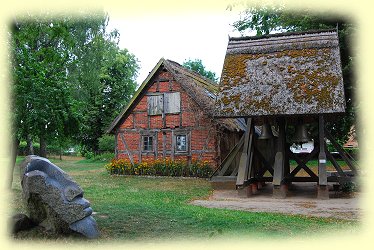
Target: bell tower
277, 82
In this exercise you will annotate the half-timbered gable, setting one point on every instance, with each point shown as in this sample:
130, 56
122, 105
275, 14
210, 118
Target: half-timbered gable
171, 116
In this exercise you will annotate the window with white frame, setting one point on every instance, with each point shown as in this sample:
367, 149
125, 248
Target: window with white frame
147, 143
181, 143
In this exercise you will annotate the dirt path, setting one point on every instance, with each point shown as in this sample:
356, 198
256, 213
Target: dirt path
300, 201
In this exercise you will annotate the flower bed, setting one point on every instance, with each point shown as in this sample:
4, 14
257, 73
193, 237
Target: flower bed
161, 167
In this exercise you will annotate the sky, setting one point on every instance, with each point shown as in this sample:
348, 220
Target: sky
177, 37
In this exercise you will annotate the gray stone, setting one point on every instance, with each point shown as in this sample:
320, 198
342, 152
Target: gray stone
54, 200
21, 222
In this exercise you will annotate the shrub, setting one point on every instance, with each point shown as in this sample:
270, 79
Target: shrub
160, 167
107, 143
22, 148
88, 154
349, 187
103, 157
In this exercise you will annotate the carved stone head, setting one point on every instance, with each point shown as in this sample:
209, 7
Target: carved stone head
54, 200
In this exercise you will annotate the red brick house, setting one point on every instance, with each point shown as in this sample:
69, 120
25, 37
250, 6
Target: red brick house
170, 115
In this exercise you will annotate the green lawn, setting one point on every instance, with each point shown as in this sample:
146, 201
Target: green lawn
156, 208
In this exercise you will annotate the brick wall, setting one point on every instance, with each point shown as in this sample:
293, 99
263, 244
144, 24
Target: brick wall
191, 120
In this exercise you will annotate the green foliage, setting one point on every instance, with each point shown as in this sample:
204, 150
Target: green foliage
88, 154
22, 148
276, 18
197, 66
103, 157
349, 187
107, 143
261, 19
70, 78
41, 103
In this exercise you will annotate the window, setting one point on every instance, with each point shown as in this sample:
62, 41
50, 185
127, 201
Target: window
181, 143
147, 143
172, 103
166, 103
155, 104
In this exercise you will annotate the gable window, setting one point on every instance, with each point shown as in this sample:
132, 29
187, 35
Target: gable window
181, 143
172, 103
147, 143
165, 103
155, 104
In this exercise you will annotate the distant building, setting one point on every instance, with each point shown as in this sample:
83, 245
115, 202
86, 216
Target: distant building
170, 116
352, 139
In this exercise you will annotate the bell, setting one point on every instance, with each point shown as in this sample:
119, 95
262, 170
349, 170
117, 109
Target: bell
266, 132
301, 134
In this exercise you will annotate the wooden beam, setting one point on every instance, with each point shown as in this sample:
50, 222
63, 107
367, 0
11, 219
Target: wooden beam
126, 148
264, 161
172, 145
322, 175
116, 146
205, 145
302, 163
243, 164
230, 157
305, 167
235, 172
250, 164
335, 163
341, 152
302, 179
164, 144
280, 155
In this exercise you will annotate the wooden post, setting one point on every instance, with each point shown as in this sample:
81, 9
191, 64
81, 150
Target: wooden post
279, 162
116, 146
244, 169
323, 192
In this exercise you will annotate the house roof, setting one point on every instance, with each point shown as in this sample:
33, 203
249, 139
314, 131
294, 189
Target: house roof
202, 90
282, 74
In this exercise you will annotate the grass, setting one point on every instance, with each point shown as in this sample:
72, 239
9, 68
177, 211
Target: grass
135, 208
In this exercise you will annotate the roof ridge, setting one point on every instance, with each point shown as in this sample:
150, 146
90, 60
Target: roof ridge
291, 33
207, 83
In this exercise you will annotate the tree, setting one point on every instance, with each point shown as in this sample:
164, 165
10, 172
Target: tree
41, 94
70, 79
197, 66
115, 86
273, 19
118, 82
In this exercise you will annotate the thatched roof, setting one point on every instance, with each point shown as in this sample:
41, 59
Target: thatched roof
202, 90
282, 74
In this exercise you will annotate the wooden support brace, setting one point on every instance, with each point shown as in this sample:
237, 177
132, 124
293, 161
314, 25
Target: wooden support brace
335, 163
341, 152
302, 164
305, 160
265, 162
116, 146
126, 148
244, 169
230, 157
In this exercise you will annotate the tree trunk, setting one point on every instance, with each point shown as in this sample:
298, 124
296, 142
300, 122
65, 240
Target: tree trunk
30, 148
14, 153
43, 147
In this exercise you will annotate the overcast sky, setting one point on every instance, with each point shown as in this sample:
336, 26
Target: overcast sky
179, 37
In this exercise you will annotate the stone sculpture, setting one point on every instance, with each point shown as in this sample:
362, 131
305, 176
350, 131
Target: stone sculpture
54, 201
